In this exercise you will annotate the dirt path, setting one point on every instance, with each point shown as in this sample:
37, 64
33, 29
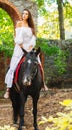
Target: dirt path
47, 105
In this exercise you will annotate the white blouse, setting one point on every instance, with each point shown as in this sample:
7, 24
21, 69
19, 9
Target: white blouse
25, 36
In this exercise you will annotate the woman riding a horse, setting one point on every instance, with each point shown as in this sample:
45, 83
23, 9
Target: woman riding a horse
24, 38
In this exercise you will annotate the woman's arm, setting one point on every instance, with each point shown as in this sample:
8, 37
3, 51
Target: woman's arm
18, 34
32, 42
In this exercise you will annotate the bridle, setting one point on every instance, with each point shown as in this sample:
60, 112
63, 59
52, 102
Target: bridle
35, 68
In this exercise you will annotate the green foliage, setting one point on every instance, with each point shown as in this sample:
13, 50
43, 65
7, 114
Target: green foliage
6, 33
60, 61
1, 93
48, 27
6, 49
40, 3
62, 121
47, 49
60, 56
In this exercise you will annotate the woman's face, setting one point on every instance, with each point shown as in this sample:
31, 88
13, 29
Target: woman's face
25, 15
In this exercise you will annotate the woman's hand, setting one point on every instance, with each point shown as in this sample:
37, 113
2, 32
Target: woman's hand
21, 45
30, 48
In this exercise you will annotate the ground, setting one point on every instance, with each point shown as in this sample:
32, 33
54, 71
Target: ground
48, 105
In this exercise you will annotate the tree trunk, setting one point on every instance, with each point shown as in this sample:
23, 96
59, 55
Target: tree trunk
61, 19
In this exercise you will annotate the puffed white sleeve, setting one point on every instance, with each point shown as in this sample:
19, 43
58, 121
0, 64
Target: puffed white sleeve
31, 44
19, 36
33, 41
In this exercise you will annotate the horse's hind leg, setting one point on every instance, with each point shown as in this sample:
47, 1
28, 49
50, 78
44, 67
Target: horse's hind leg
35, 100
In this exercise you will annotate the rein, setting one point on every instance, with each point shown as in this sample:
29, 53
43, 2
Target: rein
34, 74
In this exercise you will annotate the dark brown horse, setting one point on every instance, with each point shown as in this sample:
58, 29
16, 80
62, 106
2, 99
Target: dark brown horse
29, 83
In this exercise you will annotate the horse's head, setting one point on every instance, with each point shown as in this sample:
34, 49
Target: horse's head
30, 67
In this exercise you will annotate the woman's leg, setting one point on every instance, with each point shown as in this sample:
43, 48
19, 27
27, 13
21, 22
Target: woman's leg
44, 85
10, 74
6, 95
13, 64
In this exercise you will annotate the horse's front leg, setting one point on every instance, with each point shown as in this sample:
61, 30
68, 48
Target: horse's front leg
35, 100
21, 113
14, 97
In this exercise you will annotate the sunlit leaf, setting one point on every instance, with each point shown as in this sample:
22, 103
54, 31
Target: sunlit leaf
67, 102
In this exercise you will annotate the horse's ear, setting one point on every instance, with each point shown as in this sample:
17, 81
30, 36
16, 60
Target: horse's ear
33, 49
25, 52
38, 51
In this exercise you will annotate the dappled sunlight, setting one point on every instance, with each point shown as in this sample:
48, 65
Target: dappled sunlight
62, 120
7, 127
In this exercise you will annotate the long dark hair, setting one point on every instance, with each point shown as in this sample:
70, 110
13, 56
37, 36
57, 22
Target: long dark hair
30, 21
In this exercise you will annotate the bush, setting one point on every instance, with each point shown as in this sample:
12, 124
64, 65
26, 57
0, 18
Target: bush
60, 56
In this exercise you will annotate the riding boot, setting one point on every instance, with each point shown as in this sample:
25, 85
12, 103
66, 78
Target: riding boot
6, 95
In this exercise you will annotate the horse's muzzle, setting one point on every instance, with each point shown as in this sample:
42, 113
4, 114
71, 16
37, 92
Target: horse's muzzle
26, 81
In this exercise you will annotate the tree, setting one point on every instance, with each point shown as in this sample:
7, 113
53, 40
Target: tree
61, 16
61, 19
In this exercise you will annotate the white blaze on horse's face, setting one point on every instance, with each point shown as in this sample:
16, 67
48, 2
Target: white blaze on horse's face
27, 79
29, 61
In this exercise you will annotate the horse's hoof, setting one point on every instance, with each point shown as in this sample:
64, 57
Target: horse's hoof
15, 125
20, 128
23, 127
